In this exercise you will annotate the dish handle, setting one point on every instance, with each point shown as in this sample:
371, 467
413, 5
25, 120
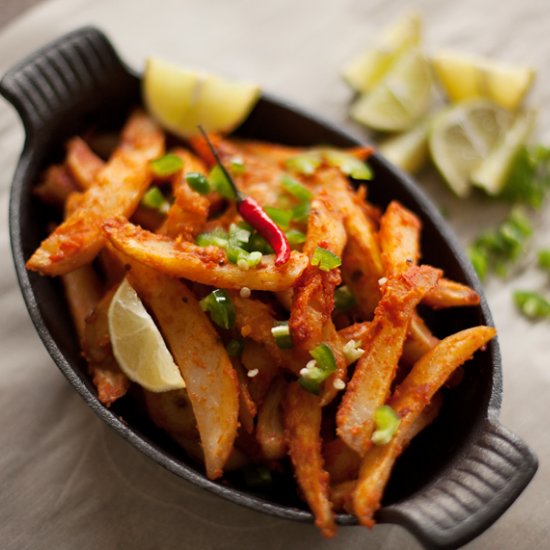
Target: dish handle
480, 485
67, 78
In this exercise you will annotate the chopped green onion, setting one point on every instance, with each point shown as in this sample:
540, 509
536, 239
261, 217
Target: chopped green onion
154, 199
257, 477
532, 304
254, 258
235, 348
237, 165
325, 259
306, 163
498, 248
543, 259
218, 237
300, 213
352, 351
281, 333
166, 165
348, 164
237, 244
295, 188
198, 182
220, 183
295, 237
386, 421
528, 179
480, 261
279, 216
344, 300
218, 304
258, 243
318, 370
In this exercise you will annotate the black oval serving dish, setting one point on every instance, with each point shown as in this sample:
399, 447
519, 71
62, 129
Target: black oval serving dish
454, 480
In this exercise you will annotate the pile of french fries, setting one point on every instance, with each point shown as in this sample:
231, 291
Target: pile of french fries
250, 408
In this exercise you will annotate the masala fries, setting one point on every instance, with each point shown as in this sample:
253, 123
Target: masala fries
294, 374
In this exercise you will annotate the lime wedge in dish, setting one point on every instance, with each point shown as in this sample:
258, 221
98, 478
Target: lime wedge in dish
466, 77
138, 345
366, 70
462, 136
402, 97
180, 99
492, 173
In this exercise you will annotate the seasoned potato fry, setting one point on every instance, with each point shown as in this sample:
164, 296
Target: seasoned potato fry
313, 298
247, 407
83, 164
341, 462
206, 265
110, 381
451, 294
411, 396
270, 431
257, 357
83, 292
399, 238
188, 214
376, 368
119, 188
341, 493
254, 319
209, 376
361, 262
268, 151
419, 341
302, 420
56, 186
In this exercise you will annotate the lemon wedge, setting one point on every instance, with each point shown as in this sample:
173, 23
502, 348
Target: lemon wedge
180, 99
493, 171
366, 70
138, 345
465, 77
462, 136
400, 99
409, 150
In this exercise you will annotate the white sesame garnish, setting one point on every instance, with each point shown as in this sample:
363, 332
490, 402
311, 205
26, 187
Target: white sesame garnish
339, 384
382, 281
252, 373
245, 292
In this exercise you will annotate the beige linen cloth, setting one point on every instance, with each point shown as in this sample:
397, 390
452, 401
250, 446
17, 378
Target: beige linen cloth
66, 480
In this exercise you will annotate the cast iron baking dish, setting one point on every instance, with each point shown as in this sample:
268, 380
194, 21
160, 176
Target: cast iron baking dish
454, 480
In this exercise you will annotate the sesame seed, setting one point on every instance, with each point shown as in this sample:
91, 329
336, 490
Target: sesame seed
245, 292
382, 281
339, 384
252, 373
246, 330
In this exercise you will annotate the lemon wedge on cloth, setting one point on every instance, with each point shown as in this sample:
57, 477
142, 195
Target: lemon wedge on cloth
466, 77
462, 136
400, 99
492, 172
180, 99
363, 72
138, 345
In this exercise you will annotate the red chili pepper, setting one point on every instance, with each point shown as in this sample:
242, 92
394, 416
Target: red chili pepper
254, 214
